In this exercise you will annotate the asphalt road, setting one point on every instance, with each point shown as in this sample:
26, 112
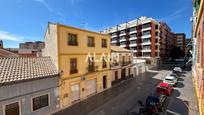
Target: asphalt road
138, 89
122, 98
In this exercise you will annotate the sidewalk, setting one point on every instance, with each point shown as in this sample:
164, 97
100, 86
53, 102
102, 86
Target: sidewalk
184, 100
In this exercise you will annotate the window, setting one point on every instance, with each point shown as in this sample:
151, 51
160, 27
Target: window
156, 34
40, 102
72, 39
156, 27
12, 109
116, 75
91, 64
146, 25
156, 40
146, 33
73, 66
91, 42
129, 72
133, 35
133, 29
104, 43
104, 62
113, 44
113, 39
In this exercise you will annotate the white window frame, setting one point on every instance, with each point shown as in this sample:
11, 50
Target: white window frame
39, 96
19, 104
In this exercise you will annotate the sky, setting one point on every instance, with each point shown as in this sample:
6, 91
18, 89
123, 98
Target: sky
26, 20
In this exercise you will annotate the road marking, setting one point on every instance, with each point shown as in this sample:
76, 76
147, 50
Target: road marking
174, 113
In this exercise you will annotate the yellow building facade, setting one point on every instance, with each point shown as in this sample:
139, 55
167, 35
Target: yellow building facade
82, 58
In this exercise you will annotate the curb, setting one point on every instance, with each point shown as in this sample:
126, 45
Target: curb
197, 95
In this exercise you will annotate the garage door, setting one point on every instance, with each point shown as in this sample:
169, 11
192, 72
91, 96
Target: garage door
90, 87
75, 92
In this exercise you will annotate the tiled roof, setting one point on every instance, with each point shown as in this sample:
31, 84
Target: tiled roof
5, 53
21, 69
119, 49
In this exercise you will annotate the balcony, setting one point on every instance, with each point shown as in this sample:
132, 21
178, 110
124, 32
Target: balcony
146, 50
146, 36
122, 45
91, 44
113, 36
104, 65
122, 34
73, 71
133, 32
133, 38
133, 44
114, 64
146, 43
92, 68
145, 29
122, 40
125, 63
113, 41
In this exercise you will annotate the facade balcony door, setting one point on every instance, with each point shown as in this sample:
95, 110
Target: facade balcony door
104, 82
123, 74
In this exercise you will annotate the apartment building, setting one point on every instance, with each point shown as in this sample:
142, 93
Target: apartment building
198, 51
28, 49
32, 45
179, 40
146, 37
31, 88
121, 64
81, 56
165, 40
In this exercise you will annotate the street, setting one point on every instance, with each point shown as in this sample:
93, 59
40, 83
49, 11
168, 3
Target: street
122, 98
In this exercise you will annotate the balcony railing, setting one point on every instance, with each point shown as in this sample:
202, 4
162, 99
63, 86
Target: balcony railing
73, 71
114, 64
92, 68
126, 63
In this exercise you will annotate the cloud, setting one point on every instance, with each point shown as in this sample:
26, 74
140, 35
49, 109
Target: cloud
44, 3
11, 37
175, 15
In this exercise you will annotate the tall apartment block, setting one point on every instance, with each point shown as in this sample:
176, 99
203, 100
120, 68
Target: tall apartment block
146, 37
179, 40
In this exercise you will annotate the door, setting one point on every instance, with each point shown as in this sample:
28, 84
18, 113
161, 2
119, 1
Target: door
90, 87
123, 74
116, 75
75, 92
104, 82
12, 109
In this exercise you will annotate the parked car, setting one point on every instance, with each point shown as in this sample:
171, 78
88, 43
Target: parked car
173, 74
177, 69
164, 88
171, 80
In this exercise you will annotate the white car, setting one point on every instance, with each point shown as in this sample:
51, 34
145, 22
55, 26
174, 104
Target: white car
173, 74
178, 69
171, 80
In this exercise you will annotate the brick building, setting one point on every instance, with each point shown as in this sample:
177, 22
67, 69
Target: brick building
146, 37
179, 40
